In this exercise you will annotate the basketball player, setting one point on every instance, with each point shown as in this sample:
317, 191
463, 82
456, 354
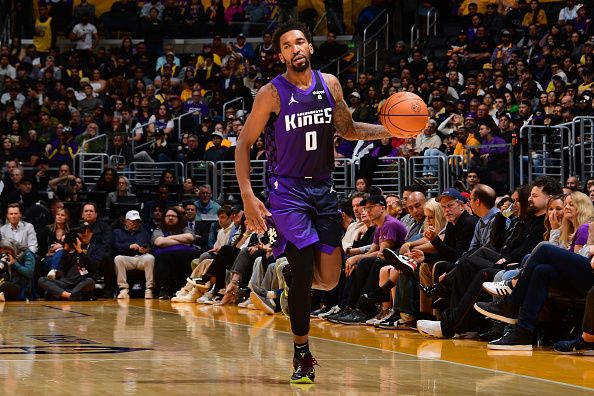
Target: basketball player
300, 111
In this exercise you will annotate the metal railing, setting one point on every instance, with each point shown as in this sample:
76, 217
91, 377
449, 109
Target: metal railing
97, 138
135, 146
583, 147
90, 166
414, 36
432, 12
117, 161
456, 168
383, 18
320, 20
180, 118
344, 176
496, 177
150, 172
203, 172
430, 171
550, 151
227, 184
226, 104
391, 175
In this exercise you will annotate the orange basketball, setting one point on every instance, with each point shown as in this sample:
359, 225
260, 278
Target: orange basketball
404, 115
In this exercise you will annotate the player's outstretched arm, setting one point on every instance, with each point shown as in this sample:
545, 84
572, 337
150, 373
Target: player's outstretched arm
343, 120
266, 102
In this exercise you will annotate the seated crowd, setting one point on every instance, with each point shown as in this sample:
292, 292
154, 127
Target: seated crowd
410, 261
439, 265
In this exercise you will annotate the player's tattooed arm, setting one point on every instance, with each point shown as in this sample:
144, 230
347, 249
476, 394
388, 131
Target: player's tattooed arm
275, 97
343, 120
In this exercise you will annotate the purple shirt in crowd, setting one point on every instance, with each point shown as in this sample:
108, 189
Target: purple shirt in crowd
580, 237
391, 230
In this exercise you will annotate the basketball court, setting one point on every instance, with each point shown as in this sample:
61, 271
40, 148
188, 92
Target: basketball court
156, 348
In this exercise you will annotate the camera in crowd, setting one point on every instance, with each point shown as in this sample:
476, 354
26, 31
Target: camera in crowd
75, 233
4, 262
264, 239
159, 133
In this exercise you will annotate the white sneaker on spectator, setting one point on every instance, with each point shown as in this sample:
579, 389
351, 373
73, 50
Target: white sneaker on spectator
263, 303
213, 300
245, 303
334, 310
383, 314
52, 274
148, 294
124, 293
190, 297
431, 328
498, 289
184, 290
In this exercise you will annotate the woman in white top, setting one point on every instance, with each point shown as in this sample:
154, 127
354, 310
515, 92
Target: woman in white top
99, 85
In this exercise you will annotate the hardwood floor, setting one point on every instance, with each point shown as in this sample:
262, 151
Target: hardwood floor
159, 348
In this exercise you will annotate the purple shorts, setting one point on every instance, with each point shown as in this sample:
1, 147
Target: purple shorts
304, 212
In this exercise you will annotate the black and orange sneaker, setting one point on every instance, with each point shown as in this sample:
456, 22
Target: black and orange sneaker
305, 373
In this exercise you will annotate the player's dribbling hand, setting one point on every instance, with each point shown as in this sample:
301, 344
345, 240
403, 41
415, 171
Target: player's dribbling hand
255, 213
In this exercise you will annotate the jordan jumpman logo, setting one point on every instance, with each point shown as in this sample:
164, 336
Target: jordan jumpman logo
292, 100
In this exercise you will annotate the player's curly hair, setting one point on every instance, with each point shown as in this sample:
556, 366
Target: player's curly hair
291, 24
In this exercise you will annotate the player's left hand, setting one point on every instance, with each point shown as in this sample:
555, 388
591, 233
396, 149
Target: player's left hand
255, 213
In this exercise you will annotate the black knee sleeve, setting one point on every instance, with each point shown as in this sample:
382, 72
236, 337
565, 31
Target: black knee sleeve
302, 268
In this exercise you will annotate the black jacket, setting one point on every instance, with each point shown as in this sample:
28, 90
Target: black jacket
457, 238
525, 237
78, 266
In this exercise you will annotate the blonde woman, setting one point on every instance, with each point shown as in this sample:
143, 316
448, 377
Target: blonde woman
577, 213
435, 221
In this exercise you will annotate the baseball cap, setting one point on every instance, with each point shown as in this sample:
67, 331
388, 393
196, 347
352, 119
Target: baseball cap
375, 200
487, 66
356, 94
241, 35
452, 193
132, 215
219, 134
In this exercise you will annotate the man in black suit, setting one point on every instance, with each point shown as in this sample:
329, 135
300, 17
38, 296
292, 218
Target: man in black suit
193, 224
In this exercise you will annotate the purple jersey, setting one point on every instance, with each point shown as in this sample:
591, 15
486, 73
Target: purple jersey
300, 139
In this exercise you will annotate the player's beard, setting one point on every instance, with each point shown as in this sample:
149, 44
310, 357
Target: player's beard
302, 67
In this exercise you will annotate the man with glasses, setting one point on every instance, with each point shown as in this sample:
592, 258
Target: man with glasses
194, 153
195, 104
205, 205
437, 252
